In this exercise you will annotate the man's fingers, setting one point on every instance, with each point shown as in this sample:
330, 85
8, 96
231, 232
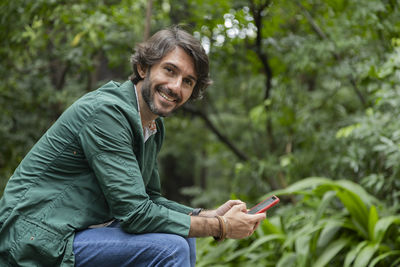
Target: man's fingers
234, 202
240, 207
223, 209
231, 203
258, 217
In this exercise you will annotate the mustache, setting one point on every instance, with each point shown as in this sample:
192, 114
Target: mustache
169, 92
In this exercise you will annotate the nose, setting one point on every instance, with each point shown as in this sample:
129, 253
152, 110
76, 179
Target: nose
176, 84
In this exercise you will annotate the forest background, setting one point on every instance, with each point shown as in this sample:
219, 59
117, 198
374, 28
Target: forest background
304, 104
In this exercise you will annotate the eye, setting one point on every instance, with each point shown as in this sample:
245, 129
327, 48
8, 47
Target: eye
189, 82
169, 70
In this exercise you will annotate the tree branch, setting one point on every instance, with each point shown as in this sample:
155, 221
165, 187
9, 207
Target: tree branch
257, 11
257, 15
321, 34
214, 129
312, 22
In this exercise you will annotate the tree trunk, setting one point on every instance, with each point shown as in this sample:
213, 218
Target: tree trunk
147, 26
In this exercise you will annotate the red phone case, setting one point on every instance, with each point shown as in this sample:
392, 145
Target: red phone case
264, 205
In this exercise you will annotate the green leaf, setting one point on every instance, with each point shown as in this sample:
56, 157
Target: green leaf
357, 209
383, 256
306, 230
262, 256
352, 254
260, 241
270, 228
256, 244
236, 254
325, 202
358, 190
307, 183
395, 263
330, 252
328, 232
287, 260
346, 131
302, 245
258, 115
372, 219
382, 226
365, 255
77, 39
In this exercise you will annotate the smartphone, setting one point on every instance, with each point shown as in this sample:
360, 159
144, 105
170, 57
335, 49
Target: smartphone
264, 205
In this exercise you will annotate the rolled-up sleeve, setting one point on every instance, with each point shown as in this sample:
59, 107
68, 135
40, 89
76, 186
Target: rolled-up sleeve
107, 140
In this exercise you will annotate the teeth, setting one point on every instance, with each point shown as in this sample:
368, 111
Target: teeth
166, 97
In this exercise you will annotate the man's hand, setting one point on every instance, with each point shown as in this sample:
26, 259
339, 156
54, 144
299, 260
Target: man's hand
241, 224
224, 208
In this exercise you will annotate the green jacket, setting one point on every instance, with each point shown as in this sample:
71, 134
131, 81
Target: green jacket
91, 166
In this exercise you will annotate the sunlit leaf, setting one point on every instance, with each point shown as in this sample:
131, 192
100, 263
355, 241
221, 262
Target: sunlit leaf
372, 219
77, 39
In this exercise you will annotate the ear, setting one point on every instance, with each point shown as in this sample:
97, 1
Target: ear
142, 71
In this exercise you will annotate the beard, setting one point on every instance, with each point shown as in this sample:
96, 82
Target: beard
148, 97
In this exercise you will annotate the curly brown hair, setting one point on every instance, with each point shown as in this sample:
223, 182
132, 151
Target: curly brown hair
164, 41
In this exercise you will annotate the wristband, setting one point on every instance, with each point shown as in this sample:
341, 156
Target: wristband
226, 226
222, 228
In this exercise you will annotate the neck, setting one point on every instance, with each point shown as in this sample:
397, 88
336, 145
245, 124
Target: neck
146, 116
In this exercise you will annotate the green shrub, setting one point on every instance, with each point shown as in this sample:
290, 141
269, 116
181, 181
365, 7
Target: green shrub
331, 223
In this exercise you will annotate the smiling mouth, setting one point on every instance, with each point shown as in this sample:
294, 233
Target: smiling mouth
166, 97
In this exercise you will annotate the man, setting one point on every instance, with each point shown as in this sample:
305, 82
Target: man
88, 193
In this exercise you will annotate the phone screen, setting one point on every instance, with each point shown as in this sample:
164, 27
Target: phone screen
264, 205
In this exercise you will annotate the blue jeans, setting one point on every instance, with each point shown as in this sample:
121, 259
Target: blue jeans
110, 246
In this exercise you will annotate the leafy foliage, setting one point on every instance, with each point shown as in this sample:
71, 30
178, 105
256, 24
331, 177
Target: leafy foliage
331, 223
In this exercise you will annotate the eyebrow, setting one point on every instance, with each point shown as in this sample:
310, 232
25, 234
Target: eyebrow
177, 68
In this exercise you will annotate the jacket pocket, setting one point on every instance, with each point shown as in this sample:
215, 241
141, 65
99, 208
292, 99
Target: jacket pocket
36, 243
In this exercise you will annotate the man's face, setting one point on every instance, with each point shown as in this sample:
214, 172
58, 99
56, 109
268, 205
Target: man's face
169, 83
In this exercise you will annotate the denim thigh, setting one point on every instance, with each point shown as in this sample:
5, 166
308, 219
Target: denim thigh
111, 246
